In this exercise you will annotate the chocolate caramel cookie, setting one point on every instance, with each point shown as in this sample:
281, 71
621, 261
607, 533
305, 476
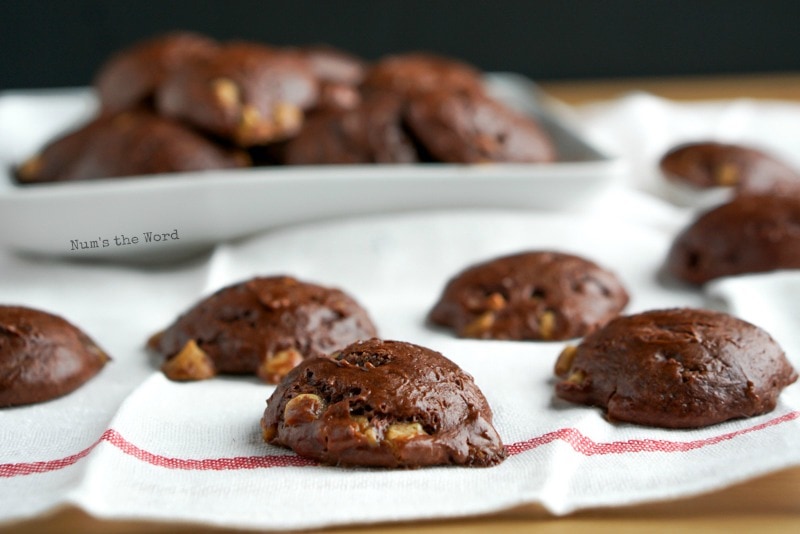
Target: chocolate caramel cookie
708, 164
676, 368
372, 132
536, 295
749, 234
383, 404
419, 72
247, 93
132, 143
339, 73
43, 356
130, 78
262, 326
470, 127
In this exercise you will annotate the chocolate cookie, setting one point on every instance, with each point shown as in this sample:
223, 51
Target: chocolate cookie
370, 133
337, 96
704, 165
339, 74
469, 127
383, 404
130, 77
42, 356
132, 143
417, 72
330, 64
57, 160
677, 368
262, 326
750, 234
536, 295
248, 93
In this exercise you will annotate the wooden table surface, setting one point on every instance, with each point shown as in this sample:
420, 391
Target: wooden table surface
767, 504
780, 86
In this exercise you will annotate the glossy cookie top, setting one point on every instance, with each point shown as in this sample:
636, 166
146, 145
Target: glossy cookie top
131, 77
43, 356
749, 234
709, 164
470, 127
136, 142
371, 132
262, 326
676, 368
246, 93
417, 72
534, 295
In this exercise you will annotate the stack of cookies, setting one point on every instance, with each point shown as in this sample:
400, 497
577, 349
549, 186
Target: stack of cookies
184, 102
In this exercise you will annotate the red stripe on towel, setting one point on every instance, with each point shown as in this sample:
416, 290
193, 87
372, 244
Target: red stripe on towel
587, 447
571, 436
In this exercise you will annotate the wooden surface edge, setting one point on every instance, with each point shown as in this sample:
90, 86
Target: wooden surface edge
772, 86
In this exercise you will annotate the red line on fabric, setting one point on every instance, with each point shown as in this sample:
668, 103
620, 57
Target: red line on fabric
30, 468
587, 447
571, 436
210, 464
115, 438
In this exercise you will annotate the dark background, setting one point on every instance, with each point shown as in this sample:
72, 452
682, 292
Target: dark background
56, 43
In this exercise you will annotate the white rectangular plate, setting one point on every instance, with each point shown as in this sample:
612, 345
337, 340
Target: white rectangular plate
113, 218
